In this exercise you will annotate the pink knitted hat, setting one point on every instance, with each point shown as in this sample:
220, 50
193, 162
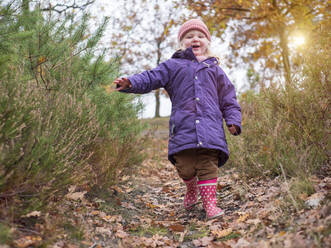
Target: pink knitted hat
193, 24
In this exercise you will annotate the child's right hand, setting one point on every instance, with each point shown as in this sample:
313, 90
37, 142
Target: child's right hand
122, 83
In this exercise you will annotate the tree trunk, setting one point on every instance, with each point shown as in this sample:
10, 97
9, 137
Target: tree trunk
285, 56
157, 103
157, 92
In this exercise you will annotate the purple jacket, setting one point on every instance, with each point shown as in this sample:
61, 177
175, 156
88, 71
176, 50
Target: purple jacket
201, 96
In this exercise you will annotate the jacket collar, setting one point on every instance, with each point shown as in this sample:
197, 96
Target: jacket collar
188, 54
184, 54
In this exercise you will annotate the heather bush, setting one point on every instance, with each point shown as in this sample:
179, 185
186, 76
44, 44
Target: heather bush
288, 126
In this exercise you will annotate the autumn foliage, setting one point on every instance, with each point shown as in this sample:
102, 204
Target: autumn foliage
261, 29
288, 126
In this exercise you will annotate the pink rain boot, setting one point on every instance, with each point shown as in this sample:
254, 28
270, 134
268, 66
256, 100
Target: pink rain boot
191, 196
208, 194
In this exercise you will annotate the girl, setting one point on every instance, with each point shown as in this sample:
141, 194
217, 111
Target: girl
201, 96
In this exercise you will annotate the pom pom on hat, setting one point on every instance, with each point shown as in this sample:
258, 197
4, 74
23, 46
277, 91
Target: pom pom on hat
193, 24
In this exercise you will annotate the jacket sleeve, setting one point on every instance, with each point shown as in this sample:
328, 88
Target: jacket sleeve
228, 103
149, 80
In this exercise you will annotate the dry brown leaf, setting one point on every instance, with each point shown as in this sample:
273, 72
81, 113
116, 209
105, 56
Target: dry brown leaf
107, 218
27, 241
118, 189
33, 214
76, 195
243, 217
166, 189
150, 205
121, 234
241, 243
72, 246
253, 221
205, 241
222, 233
128, 205
219, 244
95, 212
103, 231
221, 185
177, 228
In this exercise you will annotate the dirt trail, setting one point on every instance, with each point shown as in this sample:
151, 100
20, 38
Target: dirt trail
145, 210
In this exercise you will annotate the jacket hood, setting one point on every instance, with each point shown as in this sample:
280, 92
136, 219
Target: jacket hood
184, 54
188, 54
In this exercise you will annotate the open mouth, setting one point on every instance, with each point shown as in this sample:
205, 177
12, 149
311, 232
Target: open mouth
195, 46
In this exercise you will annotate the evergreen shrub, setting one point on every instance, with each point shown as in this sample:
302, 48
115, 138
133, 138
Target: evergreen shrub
55, 115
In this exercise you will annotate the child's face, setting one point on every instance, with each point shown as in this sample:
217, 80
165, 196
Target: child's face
197, 40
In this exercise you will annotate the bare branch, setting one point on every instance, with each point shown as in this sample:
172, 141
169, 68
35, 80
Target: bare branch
236, 9
60, 8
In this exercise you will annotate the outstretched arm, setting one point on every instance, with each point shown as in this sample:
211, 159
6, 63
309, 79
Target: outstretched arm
146, 81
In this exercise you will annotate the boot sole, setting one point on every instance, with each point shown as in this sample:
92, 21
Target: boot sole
216, 216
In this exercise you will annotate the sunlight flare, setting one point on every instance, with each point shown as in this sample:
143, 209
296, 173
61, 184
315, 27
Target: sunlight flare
297, 40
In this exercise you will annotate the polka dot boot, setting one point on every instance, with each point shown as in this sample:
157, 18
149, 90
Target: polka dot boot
191, 196
208, 194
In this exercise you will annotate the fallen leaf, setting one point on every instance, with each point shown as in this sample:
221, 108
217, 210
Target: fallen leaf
177, 228
242, 243
128, 205
27, 241
218, 244
103, 231
76, 195
117, 189
121, 234
107, 218
166, 189
205, 241
221, 233
243, 218
253, 221
150, 205
95, 212
33, 214
125, 178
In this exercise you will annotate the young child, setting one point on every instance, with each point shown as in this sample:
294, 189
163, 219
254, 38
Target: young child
201, 96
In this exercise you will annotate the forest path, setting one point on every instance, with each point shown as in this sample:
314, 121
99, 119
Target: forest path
145, 210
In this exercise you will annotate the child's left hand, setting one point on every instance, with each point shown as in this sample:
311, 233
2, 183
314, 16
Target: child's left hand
233, 129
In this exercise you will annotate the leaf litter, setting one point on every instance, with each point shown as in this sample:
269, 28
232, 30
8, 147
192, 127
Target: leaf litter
145, 210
